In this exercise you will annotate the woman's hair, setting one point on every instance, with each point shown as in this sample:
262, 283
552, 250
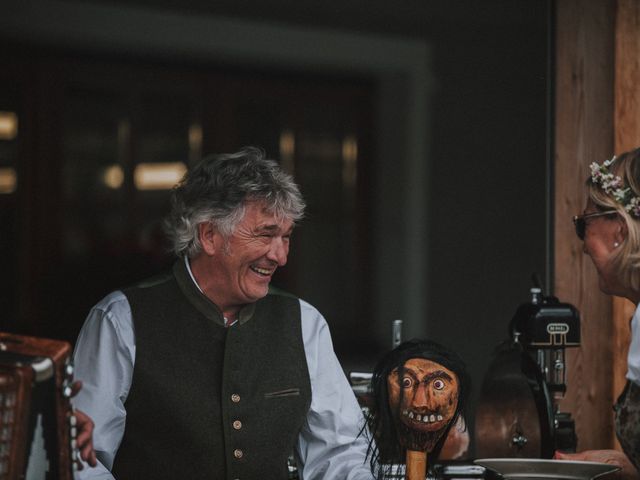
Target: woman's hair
626, 259
217, 189
384, 444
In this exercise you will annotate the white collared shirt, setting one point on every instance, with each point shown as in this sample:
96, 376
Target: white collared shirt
227, 323
633, 359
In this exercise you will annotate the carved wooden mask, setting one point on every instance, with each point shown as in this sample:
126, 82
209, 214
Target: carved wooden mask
423, 396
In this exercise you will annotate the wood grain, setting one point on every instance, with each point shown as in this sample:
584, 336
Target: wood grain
416, 465
583, 134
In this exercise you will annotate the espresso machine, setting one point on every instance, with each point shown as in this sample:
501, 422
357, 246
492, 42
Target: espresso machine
518, 413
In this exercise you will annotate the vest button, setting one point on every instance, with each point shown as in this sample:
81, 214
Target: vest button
237, 424
238, 453
235, 398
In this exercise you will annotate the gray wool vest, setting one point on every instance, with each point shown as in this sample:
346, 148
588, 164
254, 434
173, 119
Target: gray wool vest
208, 402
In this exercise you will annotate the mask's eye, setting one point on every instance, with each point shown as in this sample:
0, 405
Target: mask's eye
407, 382
438, 384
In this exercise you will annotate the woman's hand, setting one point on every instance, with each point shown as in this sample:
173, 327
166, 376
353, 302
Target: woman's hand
612, 457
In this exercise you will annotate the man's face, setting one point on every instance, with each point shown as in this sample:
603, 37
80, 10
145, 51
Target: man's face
243, 268
424, 398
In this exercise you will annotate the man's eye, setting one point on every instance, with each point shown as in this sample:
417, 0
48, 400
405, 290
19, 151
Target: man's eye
407, 382
438, 384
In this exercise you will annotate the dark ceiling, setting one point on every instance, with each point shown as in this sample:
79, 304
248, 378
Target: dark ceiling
412, 18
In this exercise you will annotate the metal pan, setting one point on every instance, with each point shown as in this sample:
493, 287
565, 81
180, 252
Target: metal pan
536, 469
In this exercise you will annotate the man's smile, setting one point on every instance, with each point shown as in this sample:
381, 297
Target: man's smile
265, 272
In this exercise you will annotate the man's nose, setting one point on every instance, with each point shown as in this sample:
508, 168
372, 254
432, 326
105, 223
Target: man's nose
279, 251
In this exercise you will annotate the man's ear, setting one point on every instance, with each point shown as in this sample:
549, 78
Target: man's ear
209, 238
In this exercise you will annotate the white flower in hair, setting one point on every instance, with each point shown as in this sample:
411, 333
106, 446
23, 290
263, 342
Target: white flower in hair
614, 186
633, 207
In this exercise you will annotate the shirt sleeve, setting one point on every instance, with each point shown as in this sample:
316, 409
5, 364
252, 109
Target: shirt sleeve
633, 357
104, 357
330, 444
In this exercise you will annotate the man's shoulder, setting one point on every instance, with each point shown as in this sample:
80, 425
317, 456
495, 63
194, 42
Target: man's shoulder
151, 282
118, 301
308, 312
112, 312
113, 301
279, 292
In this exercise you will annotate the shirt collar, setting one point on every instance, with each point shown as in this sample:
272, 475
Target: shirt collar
188, 265
244, 315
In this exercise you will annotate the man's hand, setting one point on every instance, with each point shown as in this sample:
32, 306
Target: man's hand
85, 438
84, 426
612, 457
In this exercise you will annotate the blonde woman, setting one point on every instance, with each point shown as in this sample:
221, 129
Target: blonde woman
610, 230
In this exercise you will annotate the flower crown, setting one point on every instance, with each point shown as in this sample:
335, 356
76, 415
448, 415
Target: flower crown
614, 186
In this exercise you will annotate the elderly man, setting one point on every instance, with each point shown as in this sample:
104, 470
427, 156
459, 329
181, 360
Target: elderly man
205, 372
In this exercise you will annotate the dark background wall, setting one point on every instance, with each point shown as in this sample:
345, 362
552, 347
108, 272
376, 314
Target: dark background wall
488, 179
486, 169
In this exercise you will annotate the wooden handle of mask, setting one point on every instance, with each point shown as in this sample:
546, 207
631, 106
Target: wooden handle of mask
416, 465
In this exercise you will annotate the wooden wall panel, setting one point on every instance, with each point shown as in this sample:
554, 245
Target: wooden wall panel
626, 137
583, 133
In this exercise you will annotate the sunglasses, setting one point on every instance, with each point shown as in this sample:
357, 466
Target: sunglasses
581, 224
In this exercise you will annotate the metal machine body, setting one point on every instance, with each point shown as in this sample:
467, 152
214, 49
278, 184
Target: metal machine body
518, 413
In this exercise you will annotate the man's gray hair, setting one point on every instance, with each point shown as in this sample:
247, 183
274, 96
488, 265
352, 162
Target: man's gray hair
217, 189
